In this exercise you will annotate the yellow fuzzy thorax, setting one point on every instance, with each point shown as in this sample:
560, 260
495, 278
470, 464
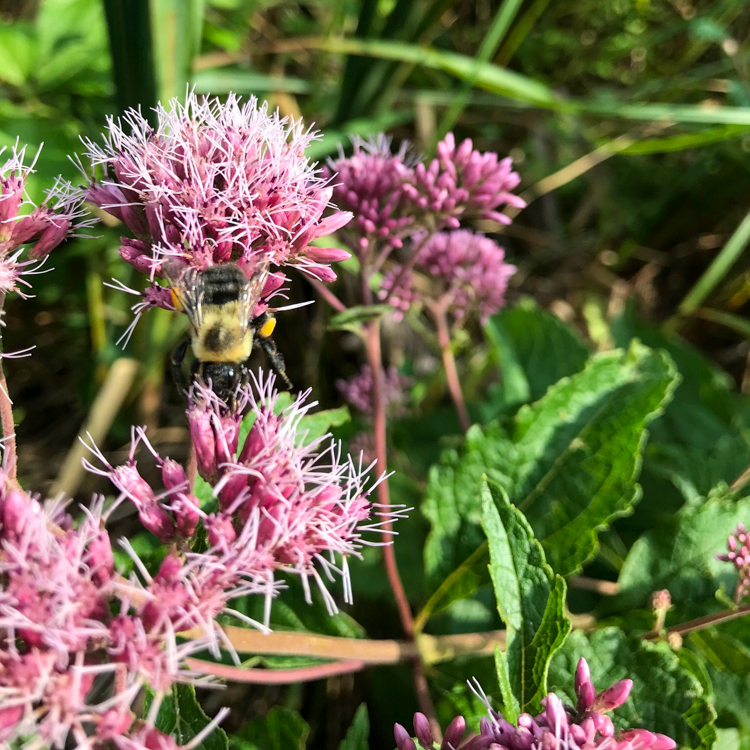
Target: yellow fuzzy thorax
220, 337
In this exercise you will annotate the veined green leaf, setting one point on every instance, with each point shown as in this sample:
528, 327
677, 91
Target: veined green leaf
181, 716
530, 600
570, 461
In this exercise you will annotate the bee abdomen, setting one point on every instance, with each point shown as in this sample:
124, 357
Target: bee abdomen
218, 338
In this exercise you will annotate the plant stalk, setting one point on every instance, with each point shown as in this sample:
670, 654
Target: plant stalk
374, 354
439, 312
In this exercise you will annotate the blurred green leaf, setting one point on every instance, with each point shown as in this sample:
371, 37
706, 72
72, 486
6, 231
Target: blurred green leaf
533, 349
17, 53
681, 554
358, 733
280, 729
181, 716
530, 600
355, 317
239, 81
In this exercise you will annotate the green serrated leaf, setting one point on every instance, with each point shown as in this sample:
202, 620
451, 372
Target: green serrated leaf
533, 350
570, 461
358, 733
666, 697
681, 554
280, 729
354, 318
181, 717
530, 600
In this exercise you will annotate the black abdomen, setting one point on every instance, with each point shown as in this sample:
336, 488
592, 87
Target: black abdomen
222, 284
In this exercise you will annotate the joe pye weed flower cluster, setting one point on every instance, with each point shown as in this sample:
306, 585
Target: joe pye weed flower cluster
218, 182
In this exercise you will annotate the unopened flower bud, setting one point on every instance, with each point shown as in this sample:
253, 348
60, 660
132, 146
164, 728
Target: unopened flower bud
403, 738
454, 734
173, 475
422, 731
614, 696
583, 674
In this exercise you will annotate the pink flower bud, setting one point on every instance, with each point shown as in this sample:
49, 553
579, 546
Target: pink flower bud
9, 717
640, 739
554, 713
586, 696
613, 696
220, 529
403, 739
662, 742
54, 233
326, 254
422, 731
454, 734
100, 560
204, 441
583, 674
173, 475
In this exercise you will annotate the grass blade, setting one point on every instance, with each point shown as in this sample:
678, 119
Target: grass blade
129, 29
718, 269
504, 17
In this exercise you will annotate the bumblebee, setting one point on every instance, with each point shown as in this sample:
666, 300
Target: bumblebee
219, 303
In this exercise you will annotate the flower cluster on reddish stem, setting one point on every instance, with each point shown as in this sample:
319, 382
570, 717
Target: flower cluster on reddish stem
215, 182
738, 553
584, 726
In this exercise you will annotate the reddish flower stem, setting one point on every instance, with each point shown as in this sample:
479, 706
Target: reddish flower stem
378, 409
374, 354
6, 416
328, 295
707, 621
407, 266
439, 312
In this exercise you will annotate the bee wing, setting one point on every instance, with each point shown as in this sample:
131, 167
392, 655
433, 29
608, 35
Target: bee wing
250, 294
186, 285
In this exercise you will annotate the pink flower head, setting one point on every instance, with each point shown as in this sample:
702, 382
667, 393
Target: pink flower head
557, 727
358, 390
370, 184
738, 553
215, 182
462, 183
43, 228
470, 270
303, 503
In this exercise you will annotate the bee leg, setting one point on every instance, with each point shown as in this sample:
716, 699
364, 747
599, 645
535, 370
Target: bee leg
264, 326
275, 358
178, 357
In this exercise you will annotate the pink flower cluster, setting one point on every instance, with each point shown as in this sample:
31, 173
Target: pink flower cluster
43, 228
738, 545
215, 182
286, 504
67, 619
467, 273
557, 727
394, 195
358, 390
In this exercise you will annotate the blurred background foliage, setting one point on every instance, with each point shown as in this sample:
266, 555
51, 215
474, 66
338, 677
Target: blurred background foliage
629, 121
